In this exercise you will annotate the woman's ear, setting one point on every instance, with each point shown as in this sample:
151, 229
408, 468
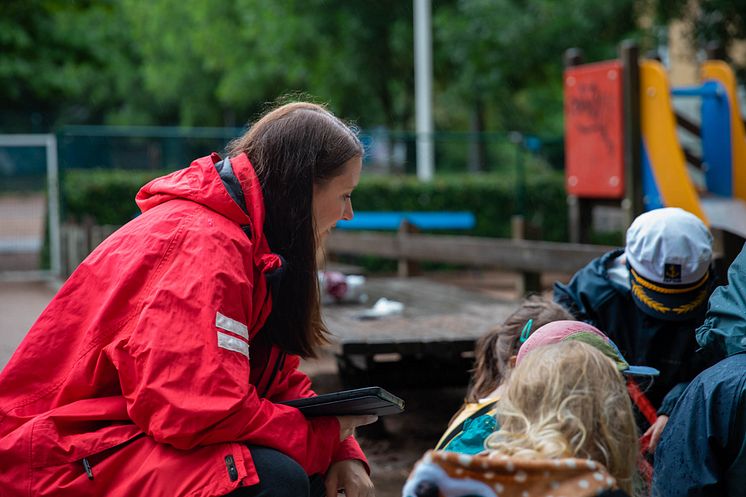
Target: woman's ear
511, 361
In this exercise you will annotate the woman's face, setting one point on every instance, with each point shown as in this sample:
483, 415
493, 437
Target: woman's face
332, 201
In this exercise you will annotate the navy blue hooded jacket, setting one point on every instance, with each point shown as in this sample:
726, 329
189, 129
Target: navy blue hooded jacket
703, 448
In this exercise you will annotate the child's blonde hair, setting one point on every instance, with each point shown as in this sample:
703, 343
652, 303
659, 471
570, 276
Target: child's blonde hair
494, 350
568, 400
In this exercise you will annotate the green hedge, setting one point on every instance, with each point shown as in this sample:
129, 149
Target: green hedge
492, 198
107, 196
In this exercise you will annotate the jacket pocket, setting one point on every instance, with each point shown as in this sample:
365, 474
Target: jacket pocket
53, 444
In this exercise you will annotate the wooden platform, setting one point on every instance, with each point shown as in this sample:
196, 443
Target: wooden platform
438, 327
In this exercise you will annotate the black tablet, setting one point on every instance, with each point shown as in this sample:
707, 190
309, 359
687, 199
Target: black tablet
368, 400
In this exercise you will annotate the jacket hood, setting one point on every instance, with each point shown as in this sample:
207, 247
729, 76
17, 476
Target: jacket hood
600, 271
724, 330
202, 183
590, 287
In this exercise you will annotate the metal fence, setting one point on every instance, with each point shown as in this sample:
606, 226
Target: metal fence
30, 204
29, 207
138, 147
145, 147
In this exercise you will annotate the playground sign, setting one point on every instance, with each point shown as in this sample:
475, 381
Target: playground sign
594, 130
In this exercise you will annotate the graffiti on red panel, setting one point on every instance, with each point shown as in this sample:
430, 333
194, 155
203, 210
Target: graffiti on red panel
594, 155
590, 109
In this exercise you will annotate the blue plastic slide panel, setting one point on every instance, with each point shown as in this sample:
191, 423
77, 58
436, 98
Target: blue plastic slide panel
716, 145
651, 196
704, 91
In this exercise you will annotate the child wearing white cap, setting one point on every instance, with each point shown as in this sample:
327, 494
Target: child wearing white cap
649, 298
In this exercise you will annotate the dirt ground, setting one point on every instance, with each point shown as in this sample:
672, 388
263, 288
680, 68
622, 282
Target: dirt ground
396, 442
409, 435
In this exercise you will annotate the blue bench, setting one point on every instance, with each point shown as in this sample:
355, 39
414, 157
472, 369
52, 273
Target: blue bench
426, 221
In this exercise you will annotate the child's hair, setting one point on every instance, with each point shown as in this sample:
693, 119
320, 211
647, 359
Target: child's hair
568, 400
495, 348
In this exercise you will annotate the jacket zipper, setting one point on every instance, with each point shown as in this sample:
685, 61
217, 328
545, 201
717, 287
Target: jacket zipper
87, 468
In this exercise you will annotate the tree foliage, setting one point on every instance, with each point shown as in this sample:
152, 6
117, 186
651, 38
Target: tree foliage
719, 21
63, 61
508, 54
220, 62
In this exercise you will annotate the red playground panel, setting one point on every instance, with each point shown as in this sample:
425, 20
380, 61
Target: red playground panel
594, 130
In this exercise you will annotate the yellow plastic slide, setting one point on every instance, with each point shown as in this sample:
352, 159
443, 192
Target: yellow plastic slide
660, 142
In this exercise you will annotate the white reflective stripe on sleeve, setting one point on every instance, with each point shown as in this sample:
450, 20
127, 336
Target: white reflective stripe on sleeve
232, 343
228, 324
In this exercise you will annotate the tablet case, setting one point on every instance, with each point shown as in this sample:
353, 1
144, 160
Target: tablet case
368, 400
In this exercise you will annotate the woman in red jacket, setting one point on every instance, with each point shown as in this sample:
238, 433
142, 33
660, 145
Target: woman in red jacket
159, 366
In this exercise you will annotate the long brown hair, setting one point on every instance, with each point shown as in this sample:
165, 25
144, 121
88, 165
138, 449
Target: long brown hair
494, 349
292, 148
568, 400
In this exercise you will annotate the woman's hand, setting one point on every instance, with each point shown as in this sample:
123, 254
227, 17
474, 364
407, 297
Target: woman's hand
349, 475
347, 424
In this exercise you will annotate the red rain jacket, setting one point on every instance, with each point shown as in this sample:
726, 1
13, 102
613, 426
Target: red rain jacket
147, 363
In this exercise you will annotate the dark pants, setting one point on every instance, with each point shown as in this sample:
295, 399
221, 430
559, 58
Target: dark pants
280, 476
